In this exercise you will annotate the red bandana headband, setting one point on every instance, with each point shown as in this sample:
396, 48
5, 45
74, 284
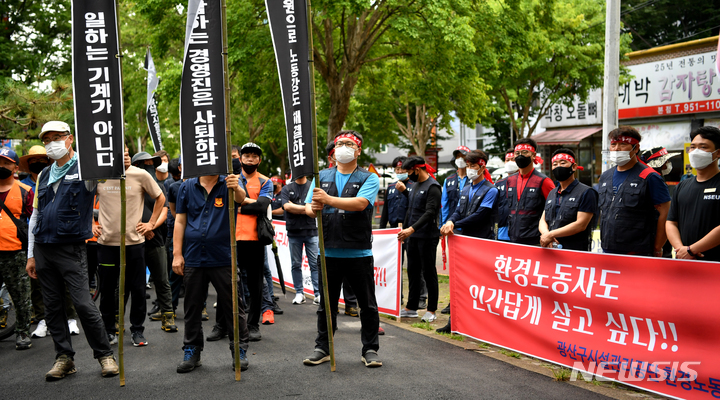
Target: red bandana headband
566, 157
510, 155
399, 164
428, 168
275, 179
350, 136
522, 147
625, 139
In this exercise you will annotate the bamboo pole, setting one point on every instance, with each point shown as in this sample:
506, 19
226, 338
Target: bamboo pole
231, 197
316, 175
123, 228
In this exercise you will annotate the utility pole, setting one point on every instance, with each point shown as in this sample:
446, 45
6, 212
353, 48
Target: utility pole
612, 75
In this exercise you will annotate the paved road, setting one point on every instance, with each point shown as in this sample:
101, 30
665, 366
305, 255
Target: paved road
415, 366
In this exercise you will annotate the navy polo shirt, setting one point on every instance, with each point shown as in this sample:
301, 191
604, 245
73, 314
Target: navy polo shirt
207, 233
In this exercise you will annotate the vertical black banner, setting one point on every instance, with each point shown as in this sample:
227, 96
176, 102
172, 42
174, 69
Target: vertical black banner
97, 90
288, 25
202, 93
151, 113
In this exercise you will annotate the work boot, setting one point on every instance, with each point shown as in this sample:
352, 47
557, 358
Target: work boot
168, 324
156, 316
445, 329
108, 366
352, 311
191, 359
63, 367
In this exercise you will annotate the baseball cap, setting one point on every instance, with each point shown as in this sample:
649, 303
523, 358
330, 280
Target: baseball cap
54, 126
251, 148
9, 154
35, 152
142, 156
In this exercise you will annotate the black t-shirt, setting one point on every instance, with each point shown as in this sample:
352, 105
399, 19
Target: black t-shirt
696, 209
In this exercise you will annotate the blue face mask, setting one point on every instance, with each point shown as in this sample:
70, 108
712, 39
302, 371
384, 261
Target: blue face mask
402, 177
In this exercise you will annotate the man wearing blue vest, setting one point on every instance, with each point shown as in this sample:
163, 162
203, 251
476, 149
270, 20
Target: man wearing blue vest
345, 198
511, 168
396, 203
571, 208
454, 184
633, 198
60, 223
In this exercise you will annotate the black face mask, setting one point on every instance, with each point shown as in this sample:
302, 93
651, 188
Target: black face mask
249, 168
562, 173
149, 168
237, 166
413, 177
522, 161
5, 173
37, 168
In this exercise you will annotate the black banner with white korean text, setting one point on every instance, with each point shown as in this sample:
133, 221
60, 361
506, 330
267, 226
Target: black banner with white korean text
97, 90
202, 93
288, 25
151, 112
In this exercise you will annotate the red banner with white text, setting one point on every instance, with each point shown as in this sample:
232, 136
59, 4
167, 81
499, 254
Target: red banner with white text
647, 322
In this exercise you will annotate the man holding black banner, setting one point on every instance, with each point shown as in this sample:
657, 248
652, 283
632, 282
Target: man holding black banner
57, 253
345, 197
16, 199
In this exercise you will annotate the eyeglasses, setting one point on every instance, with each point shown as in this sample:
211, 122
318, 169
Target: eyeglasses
47, 140
348, 144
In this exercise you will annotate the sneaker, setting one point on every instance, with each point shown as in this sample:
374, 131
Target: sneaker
352, 311
217, 333
191, 359
268, 317
317, 300
63, 367
168, 324
317, 357
422, 304
446, 310
205, 316
445, 329
41, 330
112, 338
138, 339
254, 333
108, 366
22, 341
299, 298
371, 359
381, 331
244, 363
276, 308
72, 326
428, 317
408, 313
156, 316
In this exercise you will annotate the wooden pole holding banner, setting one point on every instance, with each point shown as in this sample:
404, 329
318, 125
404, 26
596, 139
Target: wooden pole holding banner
316, 175
123, 228
231, 197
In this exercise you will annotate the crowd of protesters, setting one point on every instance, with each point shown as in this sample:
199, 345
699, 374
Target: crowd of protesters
62, 229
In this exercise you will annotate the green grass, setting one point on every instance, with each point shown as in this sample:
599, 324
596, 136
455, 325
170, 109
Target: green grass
443, 279
484, 345
422, 325
511, 354
561, 374
459, 338
390, 317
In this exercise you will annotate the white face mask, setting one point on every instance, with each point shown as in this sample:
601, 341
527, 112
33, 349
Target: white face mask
163, 167
472, 174
344, 155
620, 157
56, 150
511, 167
700, 159
460, 163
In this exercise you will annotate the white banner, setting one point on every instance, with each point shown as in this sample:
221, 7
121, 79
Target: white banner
386, 251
